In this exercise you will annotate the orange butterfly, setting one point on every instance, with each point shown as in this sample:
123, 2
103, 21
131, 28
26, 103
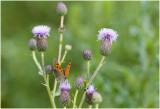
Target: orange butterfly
61, 75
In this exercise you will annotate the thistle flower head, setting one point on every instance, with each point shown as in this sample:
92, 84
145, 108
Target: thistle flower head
68, 47
32, 44
42, 44
79, 83
109, 34
48, 69
90, 90
105, 48
89, 93
87, 55
65, 98
41, 31
96, 98
61, 9
65, 86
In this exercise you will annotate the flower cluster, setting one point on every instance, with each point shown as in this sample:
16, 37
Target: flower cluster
40, 43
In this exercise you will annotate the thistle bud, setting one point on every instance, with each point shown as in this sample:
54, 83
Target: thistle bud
61, 9
105, 48
87, 55
42, 44
96, 98
89, 93
32, 44
65, 96
68, 47
48, 69
79, 83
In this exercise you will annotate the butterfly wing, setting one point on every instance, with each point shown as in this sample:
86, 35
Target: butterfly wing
66, 72
58, 67
59, 77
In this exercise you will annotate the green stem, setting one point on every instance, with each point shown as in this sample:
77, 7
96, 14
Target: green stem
96, 71
54, 90
49, 91
65, 107
42, 58
90, 106
93, 76
65, 53
88, 65
60, 40
46, 80
36, 61
97, 105
82, 100
75, 97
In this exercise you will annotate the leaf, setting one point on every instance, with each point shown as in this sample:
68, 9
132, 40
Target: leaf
44, 84
40, 73
58, 92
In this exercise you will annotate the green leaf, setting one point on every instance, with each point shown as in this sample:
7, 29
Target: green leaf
58, 92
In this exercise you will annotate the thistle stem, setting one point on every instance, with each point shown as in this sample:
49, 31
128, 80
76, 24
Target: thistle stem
59, 56
42, 58
46, 80
88, 65
97, 105
65, 53
96, 71
60, 40
36, 61
90, 106
49, 91
60, 47
93, 76
65, 107
75, 97
82, 100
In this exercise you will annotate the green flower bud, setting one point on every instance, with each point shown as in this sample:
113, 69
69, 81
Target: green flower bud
96, 98
61, 9
32, 44
68, 47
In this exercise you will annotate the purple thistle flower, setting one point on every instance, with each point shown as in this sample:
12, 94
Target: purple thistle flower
87, 55
109, 34
90, 90
41, 31
89, 93
65, 86
48, 69
79, 83
65, 96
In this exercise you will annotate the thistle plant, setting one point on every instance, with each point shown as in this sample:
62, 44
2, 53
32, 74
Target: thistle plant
39, 42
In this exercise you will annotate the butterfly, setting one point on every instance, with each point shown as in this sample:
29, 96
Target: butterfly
61, 75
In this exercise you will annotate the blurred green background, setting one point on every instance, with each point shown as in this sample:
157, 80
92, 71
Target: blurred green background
130, 75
